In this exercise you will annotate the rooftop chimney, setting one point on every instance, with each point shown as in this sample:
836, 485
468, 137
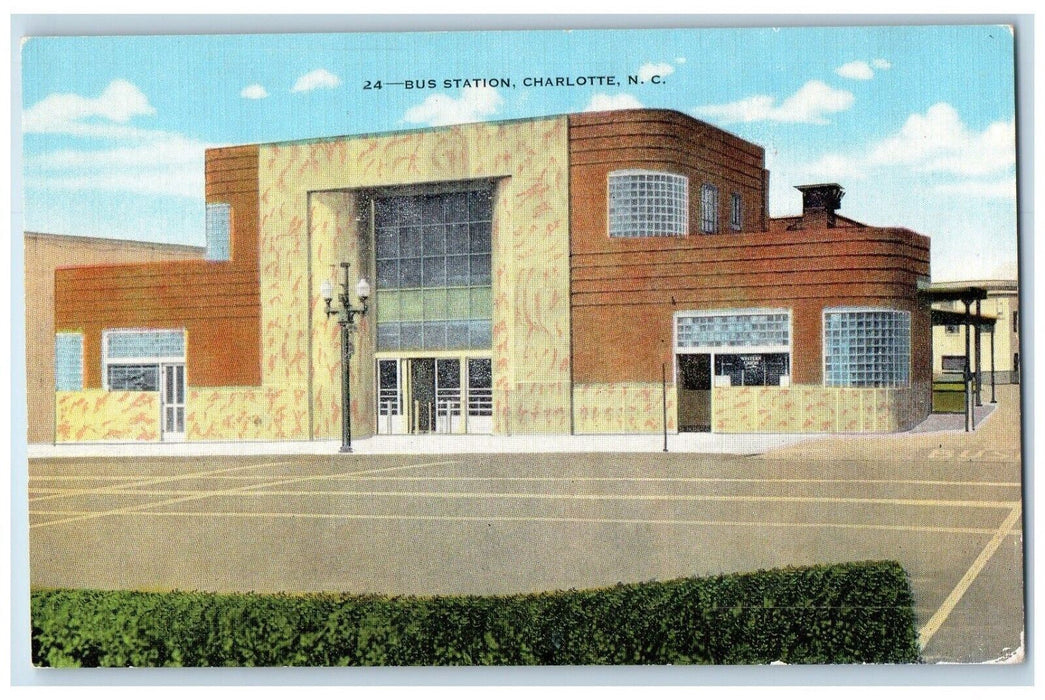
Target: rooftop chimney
819, 203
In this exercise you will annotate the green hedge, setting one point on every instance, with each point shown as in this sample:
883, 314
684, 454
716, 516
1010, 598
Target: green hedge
848, 613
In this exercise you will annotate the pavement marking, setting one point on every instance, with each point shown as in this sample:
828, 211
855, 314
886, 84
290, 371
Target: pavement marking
494, 495
151, 481
925, 634
534, 519
225, 492
668, 479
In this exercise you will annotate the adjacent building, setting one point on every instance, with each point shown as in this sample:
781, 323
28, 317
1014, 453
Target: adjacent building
1003, 306
43, 254
568, 274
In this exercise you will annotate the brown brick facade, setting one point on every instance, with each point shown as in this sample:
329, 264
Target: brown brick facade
217, 303
625, 291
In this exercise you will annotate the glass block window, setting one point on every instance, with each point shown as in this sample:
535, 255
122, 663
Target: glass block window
867, 347
144, 345
647, 203
736, 214
766, 329
219, 231
434, 265
68, 362
708, 208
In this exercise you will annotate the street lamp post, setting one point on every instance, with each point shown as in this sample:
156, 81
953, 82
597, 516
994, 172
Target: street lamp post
346, 316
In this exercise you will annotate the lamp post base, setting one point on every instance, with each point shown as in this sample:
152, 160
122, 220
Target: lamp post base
345, 449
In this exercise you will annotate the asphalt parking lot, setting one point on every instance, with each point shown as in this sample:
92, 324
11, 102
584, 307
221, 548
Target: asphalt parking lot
506, 523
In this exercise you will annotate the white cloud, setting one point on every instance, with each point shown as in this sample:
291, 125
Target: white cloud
648, 70
172, 149
855, 70
182, 182
473, 105
1004, 188
808, 105
254, 92
749, 109
881, 64
64, 113
832, 166
143, 161
319, 78
169, 164
938, 141
601, 102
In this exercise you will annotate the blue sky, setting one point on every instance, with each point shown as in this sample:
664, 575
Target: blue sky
917, 123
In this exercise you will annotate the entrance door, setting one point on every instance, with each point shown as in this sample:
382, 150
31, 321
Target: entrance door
448, 396
172, 402
422, 393
389, 398
694, 389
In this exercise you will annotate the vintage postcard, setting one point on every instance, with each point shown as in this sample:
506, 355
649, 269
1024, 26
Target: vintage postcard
654, 346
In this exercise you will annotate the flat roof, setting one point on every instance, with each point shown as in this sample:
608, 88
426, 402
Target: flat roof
989, 284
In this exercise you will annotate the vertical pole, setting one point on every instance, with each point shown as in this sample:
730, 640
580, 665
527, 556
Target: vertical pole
993, 328
966, 382
664, 401
346, 391
979, 357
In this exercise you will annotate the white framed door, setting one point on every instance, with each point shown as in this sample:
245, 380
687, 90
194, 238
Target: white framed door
448, 396
172, 402
390, 398
480, 395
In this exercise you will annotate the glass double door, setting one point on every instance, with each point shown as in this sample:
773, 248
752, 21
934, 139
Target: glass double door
434, 395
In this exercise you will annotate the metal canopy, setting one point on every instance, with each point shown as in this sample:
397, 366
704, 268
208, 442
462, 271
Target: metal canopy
956, 293
941, 317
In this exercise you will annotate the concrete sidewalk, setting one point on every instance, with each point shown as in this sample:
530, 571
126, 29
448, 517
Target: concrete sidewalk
703, 443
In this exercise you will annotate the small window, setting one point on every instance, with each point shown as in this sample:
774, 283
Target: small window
644, 204
952, 329
134, 378
68, 362
953, 363
1015, 321
736, 214
708, 208
219, 231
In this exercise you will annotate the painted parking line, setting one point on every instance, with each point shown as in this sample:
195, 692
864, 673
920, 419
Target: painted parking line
553, 479
495, 495
152, 481
925, 634
534, 519
207, 494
